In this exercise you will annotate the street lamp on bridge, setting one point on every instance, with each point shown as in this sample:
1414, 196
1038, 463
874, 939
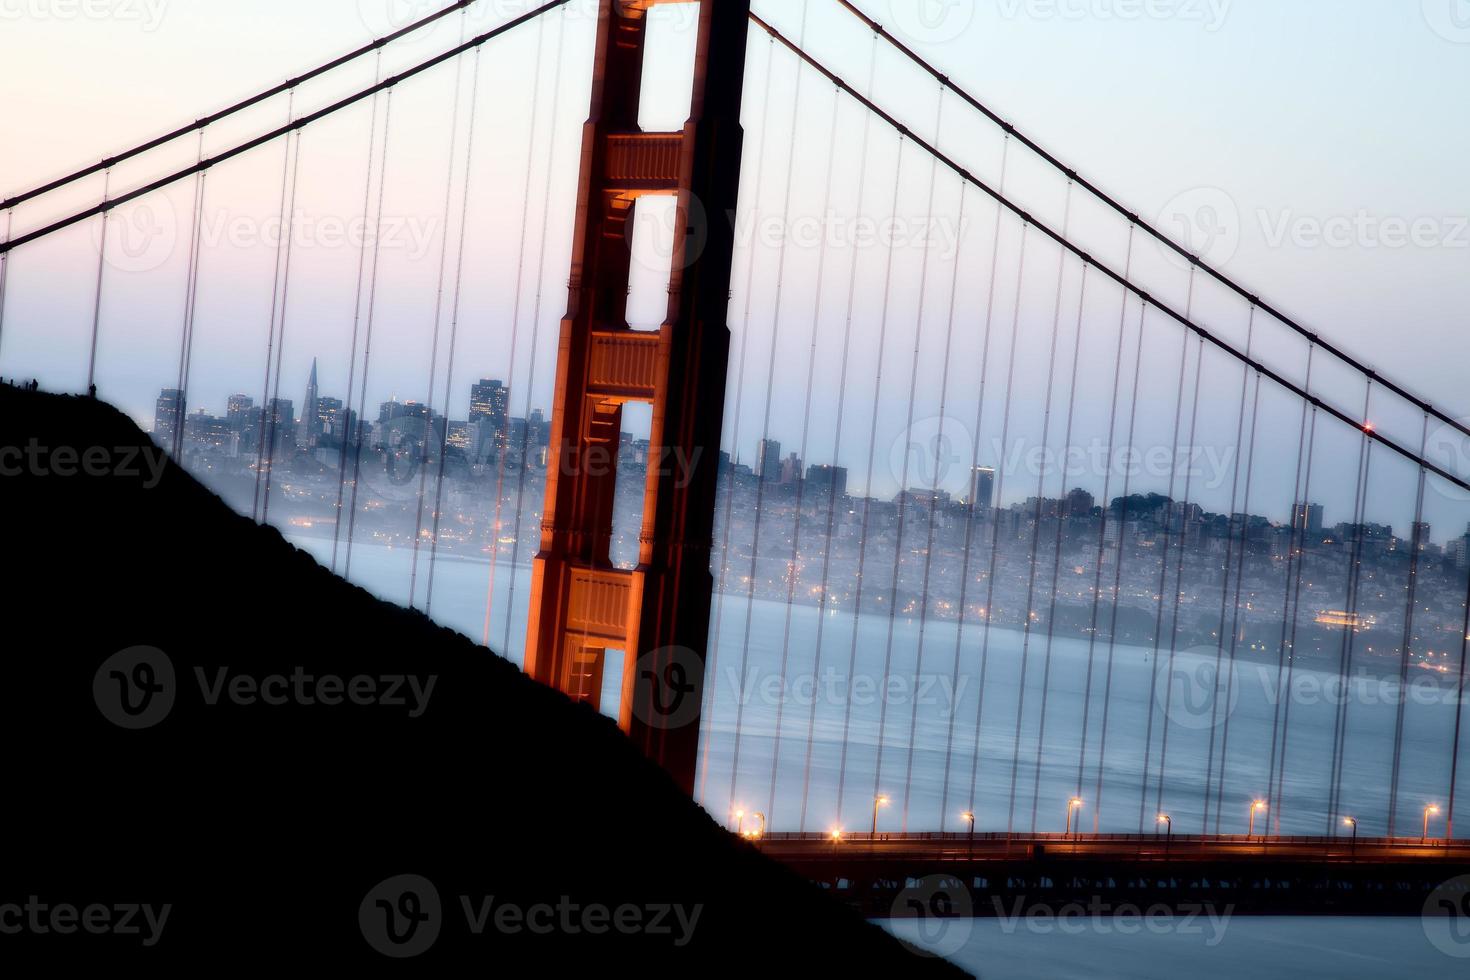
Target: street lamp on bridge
739, 823
1429, 811
1073, 805
879, 800
758, 834
1259, 806
970, 816
1353, 823
836, 836
1168, 823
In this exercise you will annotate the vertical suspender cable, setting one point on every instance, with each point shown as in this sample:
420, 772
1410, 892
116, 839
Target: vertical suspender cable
975, 514
502, 448
1296, 602
346, 436
5, 271
1235, 626
367, 341
1245, 378
1102, 529
954, 282
837, 441
903, 496
1029, 617
418, 524
1000, 477
806, 418
1102, 746
288, 229
191, 297
1449, 829
1051, 614
1294, 551
1349, 634
1172, 507
857, 611
765, 477
1416, 543
464, 224
515, 548
97, 296
1178, 590
754, 195
270, 337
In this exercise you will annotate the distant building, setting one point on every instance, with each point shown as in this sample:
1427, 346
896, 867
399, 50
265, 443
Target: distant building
982, 489
168, 416
1080, 503
310, 412
1419, 536
823, 478
244, 420
279, 424
791, 469
1308, 517
768, 460
490, 409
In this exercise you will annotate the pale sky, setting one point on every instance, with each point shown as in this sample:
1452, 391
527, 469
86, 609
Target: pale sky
1315, 148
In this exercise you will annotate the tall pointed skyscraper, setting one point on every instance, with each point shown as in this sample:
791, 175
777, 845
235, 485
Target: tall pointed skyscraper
310, 417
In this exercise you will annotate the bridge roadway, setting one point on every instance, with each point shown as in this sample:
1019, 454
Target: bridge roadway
996, 874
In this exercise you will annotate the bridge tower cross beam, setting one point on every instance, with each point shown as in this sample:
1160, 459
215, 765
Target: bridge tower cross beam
658, 613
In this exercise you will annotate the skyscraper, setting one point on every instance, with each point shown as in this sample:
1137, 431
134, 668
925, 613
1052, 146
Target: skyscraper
982, 488
768, 460
1308, 517
310, 415
168, 416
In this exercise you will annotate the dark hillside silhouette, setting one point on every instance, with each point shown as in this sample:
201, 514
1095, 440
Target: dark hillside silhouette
269, 829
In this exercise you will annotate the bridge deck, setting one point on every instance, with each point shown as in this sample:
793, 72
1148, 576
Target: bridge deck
996, 874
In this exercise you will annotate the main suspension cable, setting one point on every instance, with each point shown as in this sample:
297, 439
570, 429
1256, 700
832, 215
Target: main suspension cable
1164, 240
203, 123
1120, 279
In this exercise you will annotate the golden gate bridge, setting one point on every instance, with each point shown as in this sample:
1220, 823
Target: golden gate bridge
1056, 295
